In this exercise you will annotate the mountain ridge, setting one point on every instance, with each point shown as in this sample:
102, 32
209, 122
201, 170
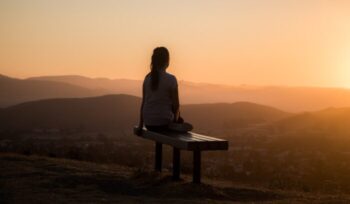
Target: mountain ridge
15, 91
122, 112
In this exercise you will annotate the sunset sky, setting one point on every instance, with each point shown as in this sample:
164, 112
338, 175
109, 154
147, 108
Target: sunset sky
256, 42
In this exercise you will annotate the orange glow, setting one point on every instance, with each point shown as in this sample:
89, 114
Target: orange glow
228, 42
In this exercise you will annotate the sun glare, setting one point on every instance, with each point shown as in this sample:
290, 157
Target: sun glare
344, 68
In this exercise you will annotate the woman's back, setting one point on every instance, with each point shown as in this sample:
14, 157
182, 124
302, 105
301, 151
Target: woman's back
157, 109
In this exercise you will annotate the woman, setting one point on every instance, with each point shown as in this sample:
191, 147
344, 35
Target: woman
160, 99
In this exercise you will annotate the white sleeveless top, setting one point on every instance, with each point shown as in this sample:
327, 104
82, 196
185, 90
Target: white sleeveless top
157, 108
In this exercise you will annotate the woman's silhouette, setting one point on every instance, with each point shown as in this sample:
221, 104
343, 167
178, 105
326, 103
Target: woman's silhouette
160, 98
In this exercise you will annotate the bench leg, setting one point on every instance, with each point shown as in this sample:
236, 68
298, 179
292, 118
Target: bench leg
158, 157
196, 166
176, 163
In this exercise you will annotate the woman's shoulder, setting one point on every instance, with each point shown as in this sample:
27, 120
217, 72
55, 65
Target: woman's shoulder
147, 78
170, 76
171, 79
147, 75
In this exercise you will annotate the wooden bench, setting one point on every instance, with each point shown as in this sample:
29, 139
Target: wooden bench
183, 141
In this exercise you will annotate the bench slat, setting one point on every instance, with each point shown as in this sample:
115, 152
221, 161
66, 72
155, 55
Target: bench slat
187, 141
207, 137
195, 136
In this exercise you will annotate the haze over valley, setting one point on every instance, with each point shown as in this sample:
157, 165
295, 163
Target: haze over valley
290, 99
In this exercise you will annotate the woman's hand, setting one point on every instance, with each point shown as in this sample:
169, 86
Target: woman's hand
138, 131
180, 119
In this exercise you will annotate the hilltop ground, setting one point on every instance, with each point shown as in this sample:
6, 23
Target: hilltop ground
35, 179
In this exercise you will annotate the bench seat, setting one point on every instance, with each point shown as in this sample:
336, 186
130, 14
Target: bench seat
186, 141
183, 141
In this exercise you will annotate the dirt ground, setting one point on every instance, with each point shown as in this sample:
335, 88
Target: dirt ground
35, 179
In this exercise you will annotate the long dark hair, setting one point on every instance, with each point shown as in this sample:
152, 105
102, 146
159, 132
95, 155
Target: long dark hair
160, 61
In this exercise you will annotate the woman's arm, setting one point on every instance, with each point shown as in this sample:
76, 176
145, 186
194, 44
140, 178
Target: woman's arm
176, 104
139, 130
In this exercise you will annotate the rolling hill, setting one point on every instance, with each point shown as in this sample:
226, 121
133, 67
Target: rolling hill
331, 122
230, 116
96, 113
15, 91
121, 112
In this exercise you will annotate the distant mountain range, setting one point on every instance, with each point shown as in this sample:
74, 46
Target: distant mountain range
121, 112
110, 86
294, 99
291, 99
14, 91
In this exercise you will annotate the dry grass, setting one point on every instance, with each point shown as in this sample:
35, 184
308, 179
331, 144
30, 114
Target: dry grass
35, 179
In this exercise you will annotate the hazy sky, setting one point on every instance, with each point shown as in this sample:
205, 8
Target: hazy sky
257, 42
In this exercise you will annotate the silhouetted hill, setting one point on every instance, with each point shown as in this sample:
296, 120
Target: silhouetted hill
97, 113
333, 122
230, 116
295, 99
14, 91
121, 112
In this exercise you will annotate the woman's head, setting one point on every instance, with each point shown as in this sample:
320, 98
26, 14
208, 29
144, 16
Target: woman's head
160, 61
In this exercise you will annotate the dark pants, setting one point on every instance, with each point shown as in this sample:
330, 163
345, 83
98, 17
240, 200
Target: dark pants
157, 128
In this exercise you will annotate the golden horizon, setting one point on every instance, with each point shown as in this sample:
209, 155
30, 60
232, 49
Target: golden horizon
228, 42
